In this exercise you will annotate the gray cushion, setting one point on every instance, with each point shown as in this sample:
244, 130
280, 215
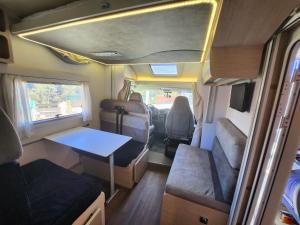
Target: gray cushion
190, 178
135, 96
227, 176
232, 140
180, 119
10, 144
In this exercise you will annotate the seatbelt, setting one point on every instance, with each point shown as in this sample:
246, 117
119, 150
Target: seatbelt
123, 112
120, 112
118, 109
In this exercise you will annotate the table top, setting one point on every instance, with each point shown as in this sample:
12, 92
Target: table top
90, 140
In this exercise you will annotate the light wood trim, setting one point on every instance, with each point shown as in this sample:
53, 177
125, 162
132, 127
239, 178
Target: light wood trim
95, 219
178, 211
141, 165
236, 62
124, 176
250, 23
97, 205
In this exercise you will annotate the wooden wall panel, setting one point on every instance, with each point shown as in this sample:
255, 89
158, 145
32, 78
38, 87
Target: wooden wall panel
236, 62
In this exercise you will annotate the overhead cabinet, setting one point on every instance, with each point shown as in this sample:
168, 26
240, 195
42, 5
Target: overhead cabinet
233, 63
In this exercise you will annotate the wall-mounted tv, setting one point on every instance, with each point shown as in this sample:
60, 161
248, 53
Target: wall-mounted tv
241, 96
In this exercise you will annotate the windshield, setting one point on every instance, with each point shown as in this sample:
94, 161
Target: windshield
162, 97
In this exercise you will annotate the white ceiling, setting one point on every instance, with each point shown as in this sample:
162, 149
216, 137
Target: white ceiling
169, 36
22, 8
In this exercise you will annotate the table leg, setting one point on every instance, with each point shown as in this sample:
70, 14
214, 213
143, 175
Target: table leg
112, 175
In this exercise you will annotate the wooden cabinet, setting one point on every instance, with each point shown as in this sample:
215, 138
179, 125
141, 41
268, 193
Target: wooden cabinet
233, 63
5, 44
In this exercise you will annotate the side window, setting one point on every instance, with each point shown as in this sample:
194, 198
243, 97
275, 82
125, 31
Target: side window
49, 101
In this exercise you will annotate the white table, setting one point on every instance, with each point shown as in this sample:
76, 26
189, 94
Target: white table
93, 141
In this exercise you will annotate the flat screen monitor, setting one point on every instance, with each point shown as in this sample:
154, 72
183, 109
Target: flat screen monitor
241, 96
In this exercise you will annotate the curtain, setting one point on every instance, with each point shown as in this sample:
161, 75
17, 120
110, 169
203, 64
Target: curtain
197, 103
86, 102
16, 104
125, 91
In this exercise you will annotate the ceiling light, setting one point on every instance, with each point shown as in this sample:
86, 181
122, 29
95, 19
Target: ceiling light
106, 54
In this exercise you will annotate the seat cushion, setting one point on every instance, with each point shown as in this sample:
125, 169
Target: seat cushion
124, 155
14, 202
57, 196
190, 178
232, 140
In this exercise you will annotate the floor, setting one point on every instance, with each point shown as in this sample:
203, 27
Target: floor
157, 152
142, 205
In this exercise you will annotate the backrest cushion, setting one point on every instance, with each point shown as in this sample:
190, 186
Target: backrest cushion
130, 106
180, 119
134, 125
232, 140
226, 174
14, 203
10, 144
135, 96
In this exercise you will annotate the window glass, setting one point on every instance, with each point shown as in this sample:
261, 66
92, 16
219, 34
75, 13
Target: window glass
49, 101
162, 98
164, 69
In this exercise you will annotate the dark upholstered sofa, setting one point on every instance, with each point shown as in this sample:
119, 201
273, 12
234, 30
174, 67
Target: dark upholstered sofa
201, 183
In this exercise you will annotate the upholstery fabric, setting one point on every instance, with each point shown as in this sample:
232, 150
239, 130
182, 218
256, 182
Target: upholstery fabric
196, 140
10, 144
135, 126
135, 96
226, 174
190, 178
57, 196
232, 140
130, 106
14, 203
180, 119
126, 154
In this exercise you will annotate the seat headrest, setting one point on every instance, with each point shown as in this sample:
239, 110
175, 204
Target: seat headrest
232, 141
136, 97
10, 143
181, 104
131, 106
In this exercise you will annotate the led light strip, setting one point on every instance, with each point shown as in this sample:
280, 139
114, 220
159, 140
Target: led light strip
210, 29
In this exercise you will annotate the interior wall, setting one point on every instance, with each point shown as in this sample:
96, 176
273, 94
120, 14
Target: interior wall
37, 61
243, 120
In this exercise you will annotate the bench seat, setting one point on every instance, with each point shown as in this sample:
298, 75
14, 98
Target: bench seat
191, 178
201, 183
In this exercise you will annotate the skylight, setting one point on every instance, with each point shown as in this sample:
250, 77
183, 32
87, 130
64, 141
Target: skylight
164, 69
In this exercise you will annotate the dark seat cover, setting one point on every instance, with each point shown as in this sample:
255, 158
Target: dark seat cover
14, 202
128, 152
57, 196
124, 155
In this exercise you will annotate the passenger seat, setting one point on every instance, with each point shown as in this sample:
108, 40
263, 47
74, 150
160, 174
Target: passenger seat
137, 97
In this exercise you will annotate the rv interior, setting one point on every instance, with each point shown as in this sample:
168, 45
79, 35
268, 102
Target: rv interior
151, 112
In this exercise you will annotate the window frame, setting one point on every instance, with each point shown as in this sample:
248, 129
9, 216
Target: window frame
55, 82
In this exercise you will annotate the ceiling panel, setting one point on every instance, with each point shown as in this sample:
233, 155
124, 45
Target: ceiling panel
22, 8
176, 35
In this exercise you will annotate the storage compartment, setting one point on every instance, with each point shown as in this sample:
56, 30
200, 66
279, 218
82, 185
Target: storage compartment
4, 46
